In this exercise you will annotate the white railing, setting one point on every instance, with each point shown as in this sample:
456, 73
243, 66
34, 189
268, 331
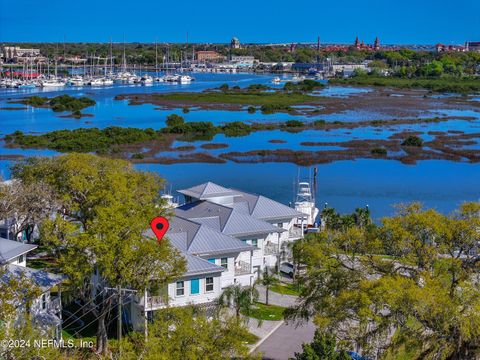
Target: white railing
242, 268
295, 233
270, 249
55, 305
155, 302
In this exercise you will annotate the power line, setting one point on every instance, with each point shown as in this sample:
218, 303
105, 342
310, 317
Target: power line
83, 306
88, 311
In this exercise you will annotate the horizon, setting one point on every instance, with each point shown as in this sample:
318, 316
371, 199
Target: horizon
335, 23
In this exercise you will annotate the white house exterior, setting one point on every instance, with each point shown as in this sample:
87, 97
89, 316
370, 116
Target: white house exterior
46, 309
227, 237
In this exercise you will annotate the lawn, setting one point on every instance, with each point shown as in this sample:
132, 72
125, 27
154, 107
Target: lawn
285, 289
266, 312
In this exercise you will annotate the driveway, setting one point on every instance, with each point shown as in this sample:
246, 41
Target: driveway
285, 341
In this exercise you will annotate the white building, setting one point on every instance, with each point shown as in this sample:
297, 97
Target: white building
228, 237
46, 309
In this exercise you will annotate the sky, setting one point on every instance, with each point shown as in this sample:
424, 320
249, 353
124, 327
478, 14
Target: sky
252, 21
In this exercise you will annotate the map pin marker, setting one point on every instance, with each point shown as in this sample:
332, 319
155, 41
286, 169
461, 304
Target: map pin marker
159, 227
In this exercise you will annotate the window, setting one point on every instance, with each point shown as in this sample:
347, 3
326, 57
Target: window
44, 301
194, 286
255, 242
280, 225
180, 288
211, 261
20, 259
224, 263
209, 284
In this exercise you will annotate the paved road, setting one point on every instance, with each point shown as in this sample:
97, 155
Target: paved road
285, 341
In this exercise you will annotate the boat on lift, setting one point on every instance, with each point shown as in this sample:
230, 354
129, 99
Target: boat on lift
305, 203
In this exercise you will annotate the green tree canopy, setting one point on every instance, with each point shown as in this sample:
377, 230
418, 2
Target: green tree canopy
412, 283
104, 208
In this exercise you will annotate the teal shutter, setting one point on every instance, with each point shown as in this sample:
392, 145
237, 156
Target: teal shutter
212, 261
194, 286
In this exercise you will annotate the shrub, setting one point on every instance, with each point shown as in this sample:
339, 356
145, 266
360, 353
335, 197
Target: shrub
319, 123
379, 151
293, 123
185, 110
174, 120
251, 110
413, 141
236, 128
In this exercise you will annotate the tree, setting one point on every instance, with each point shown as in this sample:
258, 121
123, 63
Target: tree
323, 347
240, 298
187, 333
410, 283
105, 207
267, 279
28, 204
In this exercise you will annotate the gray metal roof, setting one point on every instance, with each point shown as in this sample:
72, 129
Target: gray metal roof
199, 239
197, 265
231, 220
10, 249
206, 190
41, 278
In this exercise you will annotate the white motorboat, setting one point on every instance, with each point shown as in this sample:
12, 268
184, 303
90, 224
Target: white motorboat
146, 80
76, 81
53, 82
107, 81
184, 79
305, 203
276, 80
96, 82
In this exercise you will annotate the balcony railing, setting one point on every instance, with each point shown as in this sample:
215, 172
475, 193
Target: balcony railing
270, 249
156, 302
242, 268
55, 305
295, 233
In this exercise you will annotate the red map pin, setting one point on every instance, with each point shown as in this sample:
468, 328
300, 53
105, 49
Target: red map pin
159, 227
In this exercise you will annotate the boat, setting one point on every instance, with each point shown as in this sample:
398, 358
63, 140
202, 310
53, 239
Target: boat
76, 81
305, 203
146, 80
184, 79
96, 82
107, 81
52, 82
276, 80
26, 85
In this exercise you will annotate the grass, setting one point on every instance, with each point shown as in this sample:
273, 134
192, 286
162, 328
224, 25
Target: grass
250, 338
41, 264
442, 84
266, 312
285, 289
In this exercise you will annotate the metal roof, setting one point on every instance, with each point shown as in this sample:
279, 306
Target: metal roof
206, 190
41, 278
10, 249
197, 265
231, 220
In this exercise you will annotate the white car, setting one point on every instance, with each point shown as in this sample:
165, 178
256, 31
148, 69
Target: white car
287, 268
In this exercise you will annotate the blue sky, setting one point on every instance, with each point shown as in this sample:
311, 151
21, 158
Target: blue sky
406, 21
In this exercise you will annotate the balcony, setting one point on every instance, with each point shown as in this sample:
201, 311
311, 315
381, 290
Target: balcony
270, 249
55, 305
295, 233
155, 302
242, 268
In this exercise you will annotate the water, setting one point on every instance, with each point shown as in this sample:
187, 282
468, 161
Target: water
344, 184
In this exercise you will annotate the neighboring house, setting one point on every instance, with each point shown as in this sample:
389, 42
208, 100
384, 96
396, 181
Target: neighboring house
46, 309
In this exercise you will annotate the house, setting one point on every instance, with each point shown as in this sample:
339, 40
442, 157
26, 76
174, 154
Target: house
46, 309
227, 237
206, 56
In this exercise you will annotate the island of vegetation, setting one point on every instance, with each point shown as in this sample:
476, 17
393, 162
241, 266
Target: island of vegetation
147, 145
61, 103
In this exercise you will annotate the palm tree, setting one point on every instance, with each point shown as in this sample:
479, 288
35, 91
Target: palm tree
240, 298
267, 279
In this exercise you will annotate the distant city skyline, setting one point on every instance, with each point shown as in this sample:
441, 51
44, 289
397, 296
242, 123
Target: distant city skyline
408, 22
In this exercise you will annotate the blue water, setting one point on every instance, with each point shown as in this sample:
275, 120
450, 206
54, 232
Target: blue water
344, 185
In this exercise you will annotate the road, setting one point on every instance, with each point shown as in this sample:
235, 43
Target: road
285, 341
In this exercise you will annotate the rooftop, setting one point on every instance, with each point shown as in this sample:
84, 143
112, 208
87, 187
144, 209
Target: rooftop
10, 249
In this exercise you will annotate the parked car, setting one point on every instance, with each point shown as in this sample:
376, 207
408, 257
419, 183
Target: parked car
287, 268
